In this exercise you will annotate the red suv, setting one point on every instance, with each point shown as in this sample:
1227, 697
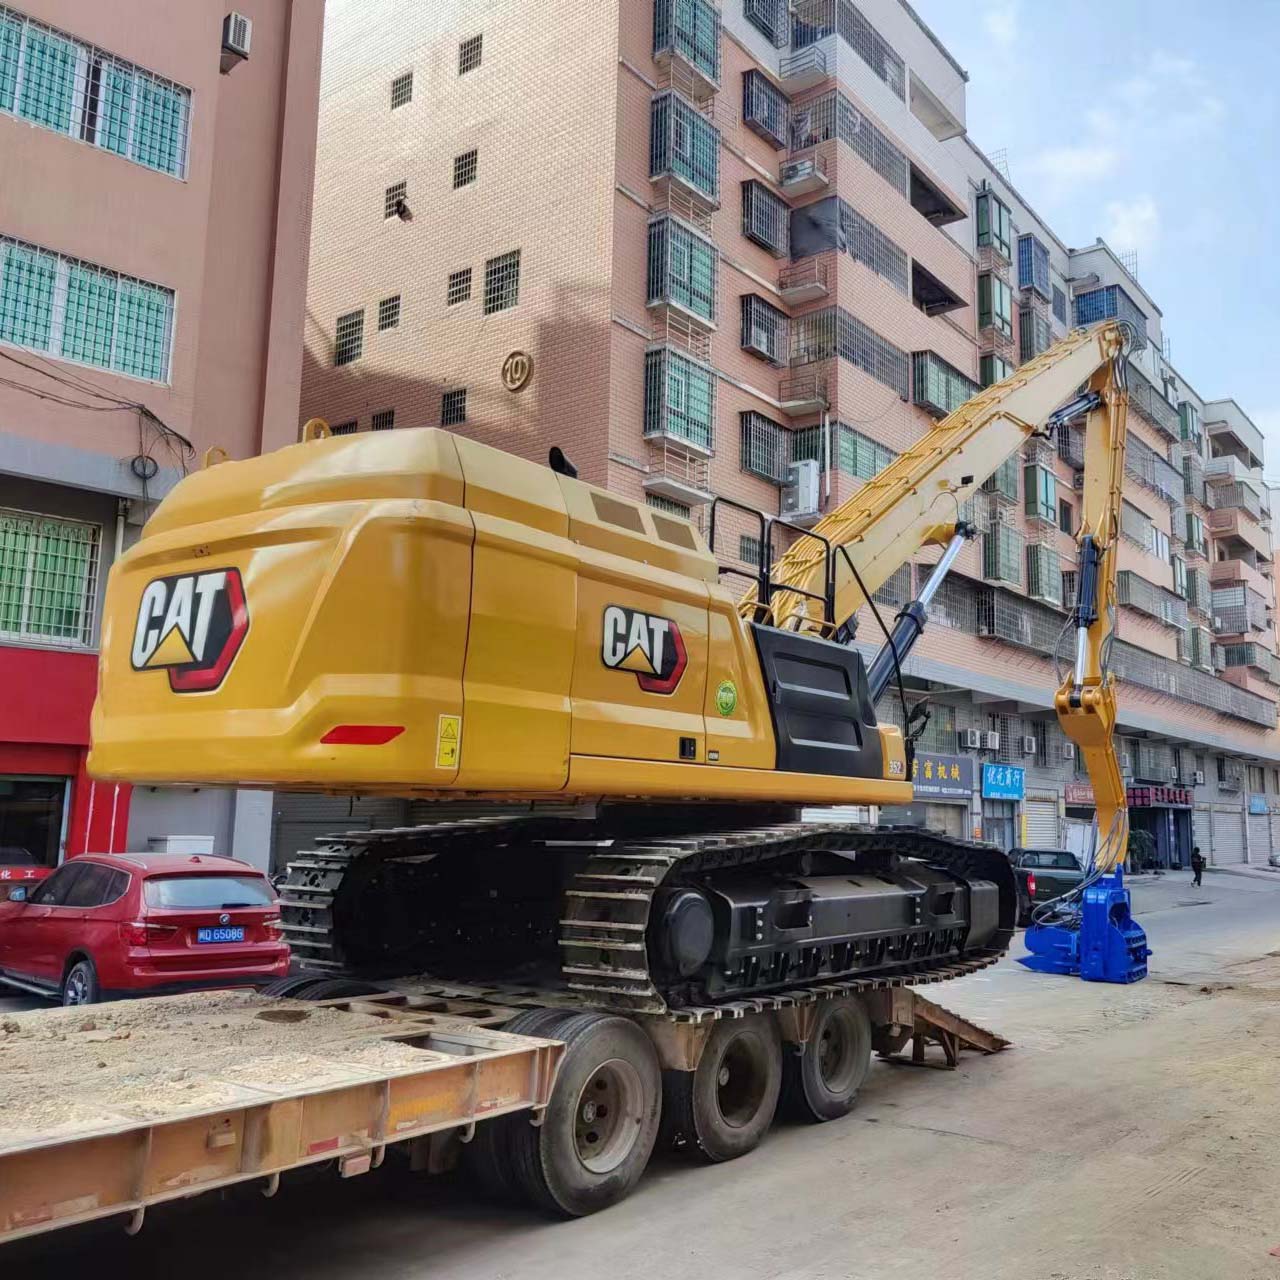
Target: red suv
107, 925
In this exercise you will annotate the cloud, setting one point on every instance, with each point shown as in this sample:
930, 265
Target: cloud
1001, 23
1064, 169
1132, 224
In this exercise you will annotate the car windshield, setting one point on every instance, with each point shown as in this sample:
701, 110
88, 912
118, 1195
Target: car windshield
204, 891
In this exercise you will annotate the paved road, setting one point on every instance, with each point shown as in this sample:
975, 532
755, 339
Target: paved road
1122, 1138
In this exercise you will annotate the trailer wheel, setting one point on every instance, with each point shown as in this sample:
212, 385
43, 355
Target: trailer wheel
599, 1130
487, 1157
822, 1082
724, 1108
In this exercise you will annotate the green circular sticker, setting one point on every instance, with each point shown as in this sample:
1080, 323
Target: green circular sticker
726, 697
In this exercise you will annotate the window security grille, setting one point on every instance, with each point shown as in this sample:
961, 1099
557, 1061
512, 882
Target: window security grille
76, 311
502, 283
459, 289
765, 329
392, 198
48, 579
349, 338
343, 428
402, 90
389, 312
384, 420
470, 53
60, 83
453, 408
465, 168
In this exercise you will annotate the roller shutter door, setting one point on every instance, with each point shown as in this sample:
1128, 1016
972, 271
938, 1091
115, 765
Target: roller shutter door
1043, 828
1275, 830
1202, 831
1259, 837
300, 819
1228, 837
946, 819
837, 813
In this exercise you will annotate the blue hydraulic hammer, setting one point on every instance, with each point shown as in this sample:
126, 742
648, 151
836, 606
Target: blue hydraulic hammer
1102, 944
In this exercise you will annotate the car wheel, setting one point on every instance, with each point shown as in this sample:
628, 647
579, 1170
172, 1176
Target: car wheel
80, 986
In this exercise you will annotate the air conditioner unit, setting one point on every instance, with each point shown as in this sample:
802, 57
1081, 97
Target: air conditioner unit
237, 35
1029, 744
969, 740
1126, 764
1173, 773
990, 741
1077, 481
1217, 624
1198, 777
800, 493
1068, 750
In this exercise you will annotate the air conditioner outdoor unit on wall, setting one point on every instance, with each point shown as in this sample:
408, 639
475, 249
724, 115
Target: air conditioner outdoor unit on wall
1029, 744
1199, 777
237, 35
990, 741
1173, 773
969, 740
1126, 764
1068, 750
800, 493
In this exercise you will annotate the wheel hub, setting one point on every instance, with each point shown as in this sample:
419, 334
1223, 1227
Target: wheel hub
608, 1115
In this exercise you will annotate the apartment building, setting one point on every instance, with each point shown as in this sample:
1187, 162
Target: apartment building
748, 250
154, 220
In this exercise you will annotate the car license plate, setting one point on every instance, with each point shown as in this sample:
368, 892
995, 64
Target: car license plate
221, 933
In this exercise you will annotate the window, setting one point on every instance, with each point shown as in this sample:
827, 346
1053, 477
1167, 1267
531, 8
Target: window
993, 369
764, 447
765, 329
770, 18
682, 268
459, 287
54, 891
465, 168
995, 304
1004, 479
938, 386
766, 218
691, 29
384, 420
469, 54
1189, 421
820, 335
1034, 335
343, 428
76, 311
834, 116
453, 408
765, 108
749, 550
1159, 544
394, 198
995, 226
679, 398
659, 502
402, 90
1059, 305
96, 885
206, 892
1066, 516
1222, 768
1041, 490
502, 283
389, 313
1257, 779
1179, 575
30, 817
684, 145
348, 338
1033, 265
855, 454
48, 578
1195, 533
78, 90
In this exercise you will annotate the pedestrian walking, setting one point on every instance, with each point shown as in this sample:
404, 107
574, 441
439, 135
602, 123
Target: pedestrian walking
1197, 865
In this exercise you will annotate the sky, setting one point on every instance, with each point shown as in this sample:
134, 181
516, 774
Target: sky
1157, 127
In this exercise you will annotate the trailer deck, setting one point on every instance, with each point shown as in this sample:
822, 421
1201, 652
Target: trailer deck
108, 1109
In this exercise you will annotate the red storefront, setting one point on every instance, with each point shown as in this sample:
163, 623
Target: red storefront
49, 807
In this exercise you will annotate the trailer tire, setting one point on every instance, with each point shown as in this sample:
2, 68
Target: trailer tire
601, 1124
486, 1159
723, 1108
821, 1082
339, 989
291, 986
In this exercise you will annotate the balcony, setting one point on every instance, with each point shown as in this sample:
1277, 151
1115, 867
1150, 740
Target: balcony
677, 474
1249, 654
1243, 569
1238, 610
805, 281
1146, 597
1233, 433
679, 400
930, 294
1146, 466
816, 20
1071, 447
682, 274
803, 395
938, 387
1230, 468
1146, 399
1237, 496
687, 32
804, 174
1235, 527
804, 69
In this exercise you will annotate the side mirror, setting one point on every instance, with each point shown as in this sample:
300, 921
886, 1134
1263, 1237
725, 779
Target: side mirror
18, 894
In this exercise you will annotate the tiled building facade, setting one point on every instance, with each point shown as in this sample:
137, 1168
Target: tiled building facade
721, 241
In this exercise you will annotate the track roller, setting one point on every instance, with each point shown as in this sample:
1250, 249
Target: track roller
821, 1079
723, 1109
599, 1130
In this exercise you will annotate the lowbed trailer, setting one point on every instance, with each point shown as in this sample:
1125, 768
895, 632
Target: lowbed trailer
422, 1066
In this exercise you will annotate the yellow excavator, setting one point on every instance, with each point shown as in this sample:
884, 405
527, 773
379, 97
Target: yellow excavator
415, 614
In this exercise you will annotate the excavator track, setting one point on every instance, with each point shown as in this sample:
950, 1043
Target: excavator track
603, 933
